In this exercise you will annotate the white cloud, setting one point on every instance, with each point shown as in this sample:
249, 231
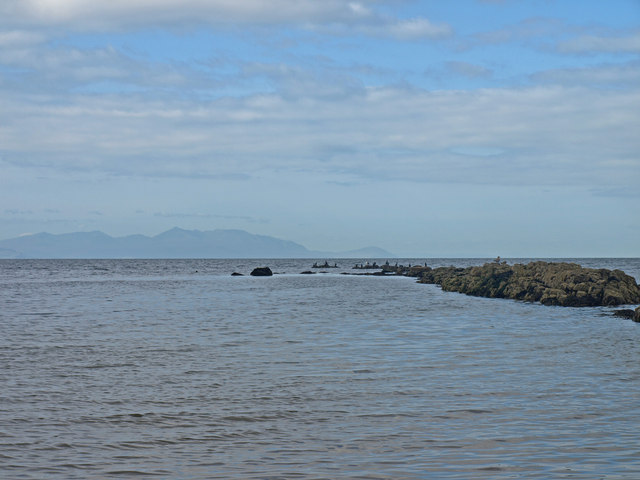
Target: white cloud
418, 28
557, 35
296, 82
546, 34
468, 69
527, 30
550, 135
319, 119
114, 12
19, 38
616, 75
602, 44
83, 15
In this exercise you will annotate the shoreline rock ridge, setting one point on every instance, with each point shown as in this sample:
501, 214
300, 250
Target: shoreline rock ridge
550, 283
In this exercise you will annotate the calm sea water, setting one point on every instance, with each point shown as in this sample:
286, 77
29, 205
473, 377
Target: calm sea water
175, 369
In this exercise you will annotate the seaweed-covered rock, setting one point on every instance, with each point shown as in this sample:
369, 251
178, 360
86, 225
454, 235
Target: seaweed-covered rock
417, 271
564, 284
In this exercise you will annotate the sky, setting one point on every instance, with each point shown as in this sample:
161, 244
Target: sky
432, 129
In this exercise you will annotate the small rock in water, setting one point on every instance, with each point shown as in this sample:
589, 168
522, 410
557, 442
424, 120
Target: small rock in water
236, 274
636, 315
626, 313
261, 272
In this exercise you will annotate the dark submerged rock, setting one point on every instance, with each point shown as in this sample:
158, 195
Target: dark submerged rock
236, 274
307, 272
563, 284
626, 313
261, 272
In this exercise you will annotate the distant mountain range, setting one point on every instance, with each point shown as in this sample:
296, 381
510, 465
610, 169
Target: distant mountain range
174, 243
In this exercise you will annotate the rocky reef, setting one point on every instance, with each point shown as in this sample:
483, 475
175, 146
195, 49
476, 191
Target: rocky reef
550, 283
564, 284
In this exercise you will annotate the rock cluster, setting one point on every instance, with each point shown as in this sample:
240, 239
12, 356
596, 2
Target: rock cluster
565, 284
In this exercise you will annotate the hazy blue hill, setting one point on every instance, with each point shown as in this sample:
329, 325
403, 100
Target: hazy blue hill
174, 243
8, 253
133, 246
177, 235
224, 244
238, 241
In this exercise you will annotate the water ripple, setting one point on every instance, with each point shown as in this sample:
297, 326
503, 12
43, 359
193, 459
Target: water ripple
120, 369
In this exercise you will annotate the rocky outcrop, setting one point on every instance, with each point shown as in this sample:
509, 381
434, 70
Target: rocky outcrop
417, 271
261, 272
565, 284
636, 315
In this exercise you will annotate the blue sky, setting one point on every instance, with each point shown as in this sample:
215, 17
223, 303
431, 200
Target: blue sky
429, 128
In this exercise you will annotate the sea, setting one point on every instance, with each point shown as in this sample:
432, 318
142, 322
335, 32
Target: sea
175, 369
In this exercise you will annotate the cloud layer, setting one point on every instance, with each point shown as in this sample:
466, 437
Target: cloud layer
84, 15
273, 112
545, 135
